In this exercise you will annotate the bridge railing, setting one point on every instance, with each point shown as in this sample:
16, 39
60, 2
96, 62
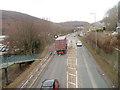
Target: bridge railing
9, 60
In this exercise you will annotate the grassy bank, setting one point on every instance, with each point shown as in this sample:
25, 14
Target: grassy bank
109, 71
22, 76
43, 54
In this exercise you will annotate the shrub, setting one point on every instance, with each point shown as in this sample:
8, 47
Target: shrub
105, 42
99, 30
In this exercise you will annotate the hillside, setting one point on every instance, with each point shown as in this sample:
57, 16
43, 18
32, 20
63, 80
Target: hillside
27, 33
73, 23
11, 20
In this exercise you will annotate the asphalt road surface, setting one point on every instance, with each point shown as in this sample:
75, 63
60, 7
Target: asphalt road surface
88, 73
55, 70
83, 72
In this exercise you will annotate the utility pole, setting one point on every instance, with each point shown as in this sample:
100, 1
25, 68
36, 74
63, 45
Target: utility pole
95, 29
6, 75
1, 23
118, 44
119, 13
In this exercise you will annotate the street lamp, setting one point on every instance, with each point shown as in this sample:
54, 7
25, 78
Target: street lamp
95, 28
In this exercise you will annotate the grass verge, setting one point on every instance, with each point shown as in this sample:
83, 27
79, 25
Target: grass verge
109, 70
22, 76
43, 54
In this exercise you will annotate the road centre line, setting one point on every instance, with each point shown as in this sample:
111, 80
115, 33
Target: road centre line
76, 80
72, 57
71, 63
71, 74
67, 62
71, 68
72, 83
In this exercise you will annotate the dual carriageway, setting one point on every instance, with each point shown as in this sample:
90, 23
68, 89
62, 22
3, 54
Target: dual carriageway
76, 69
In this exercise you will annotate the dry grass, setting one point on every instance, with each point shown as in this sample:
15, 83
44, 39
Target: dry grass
22, 76
110, 72
105, 41
43, 54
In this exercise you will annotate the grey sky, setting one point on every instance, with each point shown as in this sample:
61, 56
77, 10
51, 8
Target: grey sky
61, 10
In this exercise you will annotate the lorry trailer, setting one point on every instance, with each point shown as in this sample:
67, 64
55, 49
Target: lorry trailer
61, 45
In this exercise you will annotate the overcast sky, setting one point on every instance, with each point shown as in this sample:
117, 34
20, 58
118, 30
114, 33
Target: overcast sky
61, 10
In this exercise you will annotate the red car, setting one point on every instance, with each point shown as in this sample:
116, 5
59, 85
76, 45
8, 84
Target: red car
50, 84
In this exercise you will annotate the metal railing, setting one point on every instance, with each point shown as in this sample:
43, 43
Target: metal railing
6, 61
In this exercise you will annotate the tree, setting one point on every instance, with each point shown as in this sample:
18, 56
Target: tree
25, 37
111, 18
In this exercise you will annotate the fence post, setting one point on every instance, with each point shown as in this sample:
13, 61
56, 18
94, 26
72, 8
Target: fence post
20, 66
6, 75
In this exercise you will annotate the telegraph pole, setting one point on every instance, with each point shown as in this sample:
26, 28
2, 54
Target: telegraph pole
95, 29
118, 25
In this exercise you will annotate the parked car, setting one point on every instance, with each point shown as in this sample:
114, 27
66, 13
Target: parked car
114, 33
79, 43
50, 84
3, 49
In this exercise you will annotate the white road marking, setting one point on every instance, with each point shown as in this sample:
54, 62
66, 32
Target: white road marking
24, 84
67, 79
71, 68
31, 76
76, 80
72, 83
76, 75
70, 52
36, 69
35, 79
71, 74
26, 81
67, 62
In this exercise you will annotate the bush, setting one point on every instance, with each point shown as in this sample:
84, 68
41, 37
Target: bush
99, 30
105, 42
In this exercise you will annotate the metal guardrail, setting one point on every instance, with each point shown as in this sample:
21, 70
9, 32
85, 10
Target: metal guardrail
8, 61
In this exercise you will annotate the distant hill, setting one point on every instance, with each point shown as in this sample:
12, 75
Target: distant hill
73, 23
12, 19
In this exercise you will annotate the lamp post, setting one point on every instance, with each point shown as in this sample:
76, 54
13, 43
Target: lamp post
95, 28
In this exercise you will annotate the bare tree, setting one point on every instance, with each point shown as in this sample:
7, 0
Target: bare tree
25, 37
111, 18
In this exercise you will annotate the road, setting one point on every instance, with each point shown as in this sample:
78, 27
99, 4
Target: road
55, 69
88, 73
76, 69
